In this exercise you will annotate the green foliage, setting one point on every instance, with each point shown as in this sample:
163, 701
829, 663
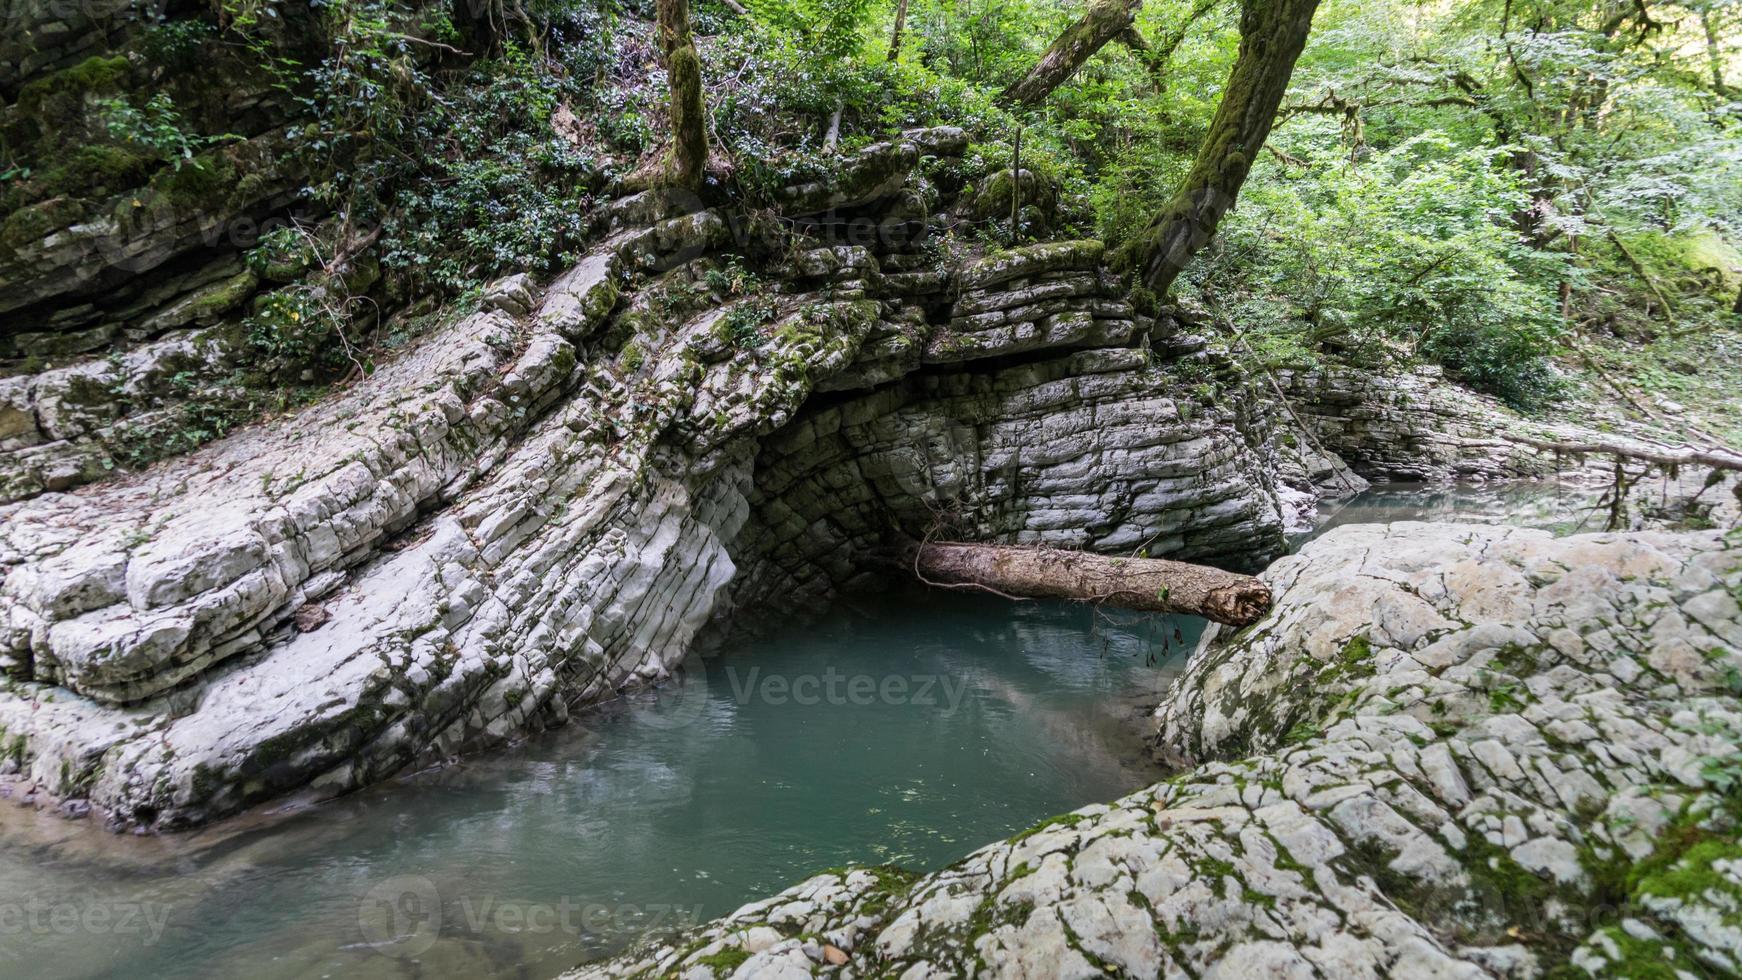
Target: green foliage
176, 44
828, 28
774, 117
1610, 128
742, 324
502, 210
1405, 255
732, 279
464, 170
156, 127
1449, 184
298, 327
281, 254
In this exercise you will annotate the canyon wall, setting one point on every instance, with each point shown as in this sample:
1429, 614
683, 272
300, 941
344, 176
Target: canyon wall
550, 498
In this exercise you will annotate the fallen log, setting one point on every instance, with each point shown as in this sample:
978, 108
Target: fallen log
1147, 584
1716, 457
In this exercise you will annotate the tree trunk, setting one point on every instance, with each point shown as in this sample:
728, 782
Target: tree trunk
1106, 20
689, 140
1714, 54
1712, 457
1272, 34
1148, 584
895, 35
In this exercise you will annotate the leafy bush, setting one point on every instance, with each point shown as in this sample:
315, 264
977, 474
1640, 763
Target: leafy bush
157, 128
299, 327
1408, 254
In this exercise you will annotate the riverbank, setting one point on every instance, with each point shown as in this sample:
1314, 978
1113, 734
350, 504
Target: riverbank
907, 727
1453, 749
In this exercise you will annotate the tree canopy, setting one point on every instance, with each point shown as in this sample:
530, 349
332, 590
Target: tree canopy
1475, 183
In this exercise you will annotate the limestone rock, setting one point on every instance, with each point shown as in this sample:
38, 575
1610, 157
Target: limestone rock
1370, 789
547, 501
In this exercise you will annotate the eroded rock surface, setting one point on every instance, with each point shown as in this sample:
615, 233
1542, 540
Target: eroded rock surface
549, 499
1450, 750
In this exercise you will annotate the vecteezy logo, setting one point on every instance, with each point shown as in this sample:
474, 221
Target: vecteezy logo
401, 916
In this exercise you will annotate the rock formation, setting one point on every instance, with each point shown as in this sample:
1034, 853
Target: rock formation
1450, 750
549, 499
1415, 426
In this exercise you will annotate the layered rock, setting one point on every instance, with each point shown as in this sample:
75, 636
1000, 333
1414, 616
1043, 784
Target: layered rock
547, 500
1416, 426
1450, 750
123, 291
1410, 426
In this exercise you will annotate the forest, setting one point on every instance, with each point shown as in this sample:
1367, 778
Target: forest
1494, 187
1512, 172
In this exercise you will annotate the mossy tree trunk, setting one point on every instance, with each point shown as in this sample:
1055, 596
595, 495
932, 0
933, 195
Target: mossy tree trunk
895, 34
689, 139
1106, 20
1272, 34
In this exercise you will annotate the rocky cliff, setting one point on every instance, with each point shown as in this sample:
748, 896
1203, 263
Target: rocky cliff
122, 278
1450, 750
550, 498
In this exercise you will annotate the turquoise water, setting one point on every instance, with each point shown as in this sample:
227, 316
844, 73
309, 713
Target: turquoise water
907, 728
1543, 504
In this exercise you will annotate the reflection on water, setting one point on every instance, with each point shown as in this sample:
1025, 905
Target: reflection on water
1561, 508
909, 728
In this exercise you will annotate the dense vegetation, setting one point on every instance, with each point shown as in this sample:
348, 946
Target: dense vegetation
1485, 185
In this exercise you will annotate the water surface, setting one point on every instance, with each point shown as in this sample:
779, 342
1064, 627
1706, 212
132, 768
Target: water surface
907, 728
1547, 504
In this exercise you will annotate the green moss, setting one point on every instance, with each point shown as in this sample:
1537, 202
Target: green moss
1696, 834
89, 393
1358, 650
1062, 820
93, 74
1500, 882
725, 961
15, 750
30, 225
202, 183
96, 170
1641, 959
632, 357
1354, 661
224, 296
1515, 659
1214, 868
1691, 873
56, 99
1256, 898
